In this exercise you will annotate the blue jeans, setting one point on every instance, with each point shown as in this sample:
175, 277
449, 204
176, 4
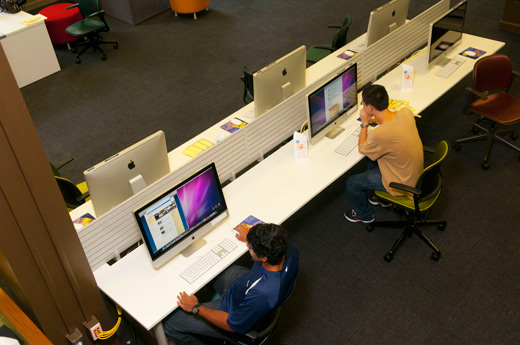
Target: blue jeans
357, 185
182, 327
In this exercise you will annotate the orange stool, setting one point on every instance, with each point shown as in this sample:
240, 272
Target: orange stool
189, 6
58, 19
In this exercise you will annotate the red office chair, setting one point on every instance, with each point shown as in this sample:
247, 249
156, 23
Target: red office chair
500, 110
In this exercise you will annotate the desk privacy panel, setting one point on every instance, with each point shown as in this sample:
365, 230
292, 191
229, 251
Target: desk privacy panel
115, 231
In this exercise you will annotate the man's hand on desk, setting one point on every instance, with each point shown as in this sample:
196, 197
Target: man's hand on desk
242, 230
187, 302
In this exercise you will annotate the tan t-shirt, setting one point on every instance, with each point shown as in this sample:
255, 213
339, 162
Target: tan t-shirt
398, 149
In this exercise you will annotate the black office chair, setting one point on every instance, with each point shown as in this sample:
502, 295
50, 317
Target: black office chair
247, 79
89, 28
496, 109
263, 330
74, 195
425, 193
316, 53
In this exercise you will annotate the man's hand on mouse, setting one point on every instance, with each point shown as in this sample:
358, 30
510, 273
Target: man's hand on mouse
242, 230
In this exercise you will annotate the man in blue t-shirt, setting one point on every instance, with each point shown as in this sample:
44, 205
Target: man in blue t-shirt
246, 295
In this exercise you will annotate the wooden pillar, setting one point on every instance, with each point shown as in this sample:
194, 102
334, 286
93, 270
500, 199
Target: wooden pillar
41, 252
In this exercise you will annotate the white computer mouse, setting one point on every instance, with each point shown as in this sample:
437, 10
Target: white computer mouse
349, 53
470, 53
236, 122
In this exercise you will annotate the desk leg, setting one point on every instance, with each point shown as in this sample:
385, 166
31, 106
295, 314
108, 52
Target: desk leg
160, 336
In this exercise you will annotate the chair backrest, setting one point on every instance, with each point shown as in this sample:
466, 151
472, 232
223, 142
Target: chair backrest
492, 73
267, 324
249, 93
430, 181
340, 37
70, 192
87, 7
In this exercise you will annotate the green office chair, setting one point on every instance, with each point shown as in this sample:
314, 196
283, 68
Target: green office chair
498, 112
247, 79
425, 193
74, 195
316, 53
89, 28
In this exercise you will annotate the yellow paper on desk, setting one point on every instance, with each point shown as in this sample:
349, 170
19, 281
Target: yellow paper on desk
32, 19
192, 151
206, 142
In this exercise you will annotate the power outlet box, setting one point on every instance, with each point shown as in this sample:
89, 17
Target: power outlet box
93, 327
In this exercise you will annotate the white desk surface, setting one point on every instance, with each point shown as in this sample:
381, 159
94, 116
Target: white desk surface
28, 48
272, 191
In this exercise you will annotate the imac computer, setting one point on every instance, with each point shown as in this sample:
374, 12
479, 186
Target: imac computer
279, 80
177, 218
119, 177
445, 35
386, 19
331, 103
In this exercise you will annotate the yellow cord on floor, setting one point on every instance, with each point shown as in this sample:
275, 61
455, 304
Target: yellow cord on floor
107, 334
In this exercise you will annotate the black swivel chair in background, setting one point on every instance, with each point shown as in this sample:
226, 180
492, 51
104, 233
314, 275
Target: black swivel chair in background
74, 195
316, 53
499, 111
425, 193
90, 29
247, 79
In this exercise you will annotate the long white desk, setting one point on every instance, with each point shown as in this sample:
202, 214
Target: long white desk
28, 48
272, 191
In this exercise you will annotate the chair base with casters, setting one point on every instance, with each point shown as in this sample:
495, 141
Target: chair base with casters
490, 135
491, 101
89, 28
425, 194
94, 42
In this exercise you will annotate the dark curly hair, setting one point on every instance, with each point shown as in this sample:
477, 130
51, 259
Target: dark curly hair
270, 241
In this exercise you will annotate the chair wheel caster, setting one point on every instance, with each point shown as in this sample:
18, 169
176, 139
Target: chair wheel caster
369, 228
485, 166
78, 60
436, 256
116, 46
474, 130
441, 227
389, 257
74, 50
103, 57
457, 147
513, 136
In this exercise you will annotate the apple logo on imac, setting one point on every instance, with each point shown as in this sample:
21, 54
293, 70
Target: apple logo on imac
284, 72
131, 165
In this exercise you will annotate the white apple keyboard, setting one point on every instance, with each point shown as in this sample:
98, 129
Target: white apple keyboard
451, 66
208, 260
349, 143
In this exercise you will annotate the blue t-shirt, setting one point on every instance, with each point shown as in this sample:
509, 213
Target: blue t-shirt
253, 294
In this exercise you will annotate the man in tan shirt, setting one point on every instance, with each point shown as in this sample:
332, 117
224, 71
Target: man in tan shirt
394, 151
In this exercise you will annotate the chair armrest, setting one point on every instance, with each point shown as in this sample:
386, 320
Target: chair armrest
409, 189
83, 197
100, 13
63, 163
72, 6
325, 47
471, 93
428, 149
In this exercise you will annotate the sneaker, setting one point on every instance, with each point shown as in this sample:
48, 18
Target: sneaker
376, 201
354, 218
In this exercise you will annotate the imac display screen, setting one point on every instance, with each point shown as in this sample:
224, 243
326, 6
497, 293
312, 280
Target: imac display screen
119, 177
446, 34
175, 219
279, 80
386, 19
331, 103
